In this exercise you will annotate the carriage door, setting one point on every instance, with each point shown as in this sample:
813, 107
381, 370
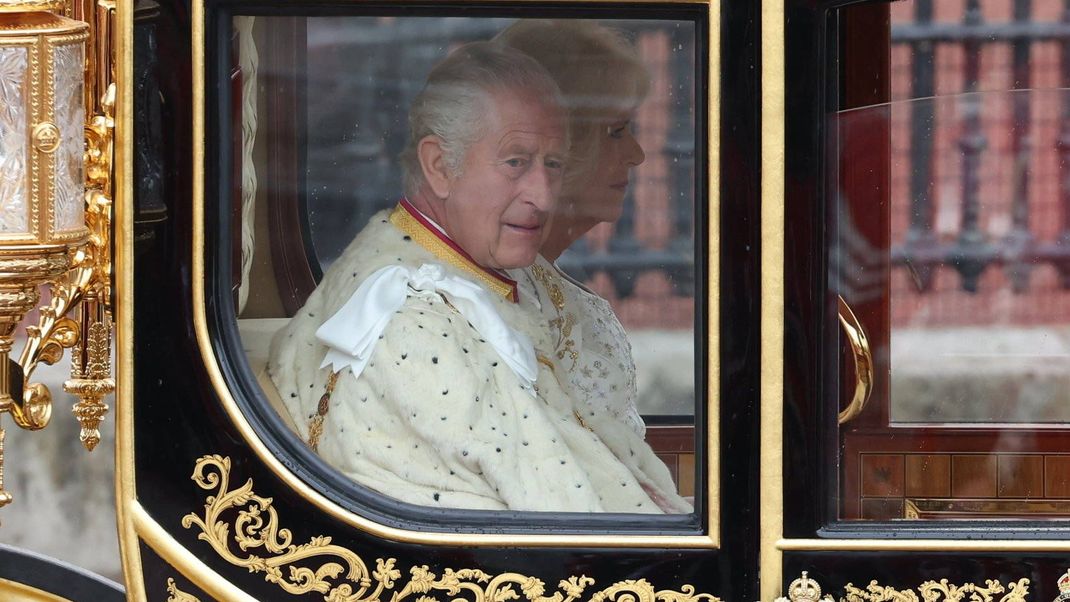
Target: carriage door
268, 138
926, 321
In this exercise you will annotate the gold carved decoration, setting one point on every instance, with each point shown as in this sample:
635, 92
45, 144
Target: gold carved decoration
805, 589
878, 593
91, 382
91, 379
177, 595
75, 263
343, 576
1064, 588
943, 591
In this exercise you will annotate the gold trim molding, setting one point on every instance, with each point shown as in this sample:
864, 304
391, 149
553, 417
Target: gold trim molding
20, 6
771, 394
177, 595
14, 590
128, 510
805, 589
343, 576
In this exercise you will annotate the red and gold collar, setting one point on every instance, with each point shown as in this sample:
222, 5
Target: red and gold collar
409, 220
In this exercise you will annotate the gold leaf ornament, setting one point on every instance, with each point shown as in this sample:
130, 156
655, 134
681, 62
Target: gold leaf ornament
943, 591
805, 589
641, 590
878, 593
342, 576
177, 595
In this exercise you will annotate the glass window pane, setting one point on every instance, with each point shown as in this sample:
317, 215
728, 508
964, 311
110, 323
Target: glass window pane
469, 266
949, 247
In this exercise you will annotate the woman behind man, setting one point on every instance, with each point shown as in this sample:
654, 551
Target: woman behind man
603, 82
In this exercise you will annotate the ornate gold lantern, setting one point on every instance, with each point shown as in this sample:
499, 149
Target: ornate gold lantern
53, 228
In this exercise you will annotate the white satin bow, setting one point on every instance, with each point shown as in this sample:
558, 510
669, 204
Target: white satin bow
351, 334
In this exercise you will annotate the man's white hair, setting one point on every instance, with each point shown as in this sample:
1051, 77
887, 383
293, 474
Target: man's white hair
456, 100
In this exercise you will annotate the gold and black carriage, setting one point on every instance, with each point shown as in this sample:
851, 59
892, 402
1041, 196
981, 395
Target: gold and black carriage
844, 267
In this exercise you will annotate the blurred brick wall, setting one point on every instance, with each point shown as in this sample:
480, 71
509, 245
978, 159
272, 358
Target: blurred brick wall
1045, 301
652, 305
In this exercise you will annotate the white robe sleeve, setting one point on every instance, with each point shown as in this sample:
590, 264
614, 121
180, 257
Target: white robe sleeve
437, 418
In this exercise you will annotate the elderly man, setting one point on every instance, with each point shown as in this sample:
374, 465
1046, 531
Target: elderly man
415, 367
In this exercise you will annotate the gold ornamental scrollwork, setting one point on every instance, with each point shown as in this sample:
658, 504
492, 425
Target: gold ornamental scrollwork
931, 591
805, 589
878, 593
177, 595
343, 576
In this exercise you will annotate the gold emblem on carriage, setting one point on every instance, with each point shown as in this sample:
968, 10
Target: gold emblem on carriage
1064, 588
46, 137
804, 589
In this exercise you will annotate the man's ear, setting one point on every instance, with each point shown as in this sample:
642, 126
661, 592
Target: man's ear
433, 163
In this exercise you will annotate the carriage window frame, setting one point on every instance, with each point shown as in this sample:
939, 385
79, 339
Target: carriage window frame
269, 429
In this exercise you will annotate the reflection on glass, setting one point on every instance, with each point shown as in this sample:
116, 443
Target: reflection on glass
458, 349
979, 315
950, 239
966, 306
980, 311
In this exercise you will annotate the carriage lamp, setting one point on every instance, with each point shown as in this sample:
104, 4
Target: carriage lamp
55, 213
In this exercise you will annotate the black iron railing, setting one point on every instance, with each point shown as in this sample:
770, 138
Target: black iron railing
974, 251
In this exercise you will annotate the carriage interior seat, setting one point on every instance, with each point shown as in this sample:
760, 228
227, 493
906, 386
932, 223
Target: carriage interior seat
260, 313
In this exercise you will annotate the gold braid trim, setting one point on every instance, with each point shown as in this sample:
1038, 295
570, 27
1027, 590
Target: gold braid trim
315, 428
408, 224
545, 361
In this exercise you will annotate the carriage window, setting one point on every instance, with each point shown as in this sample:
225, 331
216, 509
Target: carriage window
948, 279
467, 262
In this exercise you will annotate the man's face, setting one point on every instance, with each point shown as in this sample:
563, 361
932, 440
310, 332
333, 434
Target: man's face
499, 205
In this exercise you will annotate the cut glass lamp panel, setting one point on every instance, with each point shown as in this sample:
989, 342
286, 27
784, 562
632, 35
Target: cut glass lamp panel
14, 186
70, 117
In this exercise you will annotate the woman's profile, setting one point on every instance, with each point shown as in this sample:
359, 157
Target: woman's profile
603, 82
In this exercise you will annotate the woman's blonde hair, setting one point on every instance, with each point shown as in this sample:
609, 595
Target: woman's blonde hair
598, 71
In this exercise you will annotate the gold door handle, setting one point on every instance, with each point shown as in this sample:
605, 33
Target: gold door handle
856, 336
